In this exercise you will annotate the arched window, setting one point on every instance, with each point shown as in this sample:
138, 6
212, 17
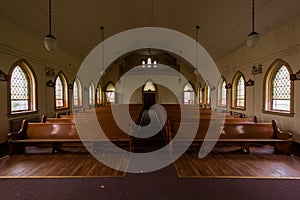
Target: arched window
61, 92
149, 87
110, 93
77, 93
188, 94
238, 91
99, 94
91, 94
206, 94
222, 93
278, 93
199, 94
22, 89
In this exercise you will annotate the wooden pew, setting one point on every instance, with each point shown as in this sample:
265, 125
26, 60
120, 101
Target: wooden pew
55, 134
244, 134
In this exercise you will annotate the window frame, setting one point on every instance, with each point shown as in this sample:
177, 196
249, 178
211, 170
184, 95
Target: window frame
79, 92
234, 91
91, 94
268, 89
190, 92
220, 92
32, 82
65, 92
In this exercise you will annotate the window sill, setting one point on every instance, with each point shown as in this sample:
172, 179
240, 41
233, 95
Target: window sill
23, 113
62, 108
238, 108
279, 113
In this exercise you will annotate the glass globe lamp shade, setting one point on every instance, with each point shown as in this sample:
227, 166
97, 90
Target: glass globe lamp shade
50, 42
252, 40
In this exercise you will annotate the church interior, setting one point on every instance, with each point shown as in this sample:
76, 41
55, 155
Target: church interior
160, 99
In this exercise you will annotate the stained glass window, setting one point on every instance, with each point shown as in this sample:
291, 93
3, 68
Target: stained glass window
59, 93
110, 93
240, 92
149, 86
91, 94
222, 93
281, 89
19, 90
77, 93
188, 94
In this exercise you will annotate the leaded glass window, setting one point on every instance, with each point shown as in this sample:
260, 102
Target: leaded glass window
281, 89
76, 98
59, 93
222, 93
188, 94
110, 93
149, 87
240, 92
19, 90
91, 94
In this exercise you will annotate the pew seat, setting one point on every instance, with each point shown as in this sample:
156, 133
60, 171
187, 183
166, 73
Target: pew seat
56, 134
244, 134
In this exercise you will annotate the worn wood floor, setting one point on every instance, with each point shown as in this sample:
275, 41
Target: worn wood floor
39, 162
223, 161
229, 161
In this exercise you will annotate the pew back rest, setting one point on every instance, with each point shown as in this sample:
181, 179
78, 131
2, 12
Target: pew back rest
248, 131
51, 131
230, 130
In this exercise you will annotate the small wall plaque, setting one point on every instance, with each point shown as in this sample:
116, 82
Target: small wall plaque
50, 83
250, 82
294, 77
3, 76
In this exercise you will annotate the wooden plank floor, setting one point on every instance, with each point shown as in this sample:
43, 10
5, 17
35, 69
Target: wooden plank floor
74, 162
223, 161
228, 161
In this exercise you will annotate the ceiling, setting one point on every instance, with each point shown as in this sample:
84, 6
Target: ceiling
224, 25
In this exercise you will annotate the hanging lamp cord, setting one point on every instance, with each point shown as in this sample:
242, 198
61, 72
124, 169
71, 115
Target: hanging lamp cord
49, 17
253, 15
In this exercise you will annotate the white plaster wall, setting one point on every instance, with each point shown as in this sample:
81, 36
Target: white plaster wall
282, 42
16, 44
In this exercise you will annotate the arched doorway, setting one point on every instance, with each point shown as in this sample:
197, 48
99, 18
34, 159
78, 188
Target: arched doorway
149, 95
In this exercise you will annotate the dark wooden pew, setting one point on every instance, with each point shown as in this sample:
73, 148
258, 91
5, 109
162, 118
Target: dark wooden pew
244, 134
55, 134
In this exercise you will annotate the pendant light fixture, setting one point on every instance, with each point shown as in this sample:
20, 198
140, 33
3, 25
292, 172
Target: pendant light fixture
102, 72
50, 42
253, 37
196, 72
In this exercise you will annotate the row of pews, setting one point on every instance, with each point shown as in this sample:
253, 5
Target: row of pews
57, 132
227, 128
61, 131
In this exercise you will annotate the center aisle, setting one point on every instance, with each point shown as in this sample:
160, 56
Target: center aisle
150, 144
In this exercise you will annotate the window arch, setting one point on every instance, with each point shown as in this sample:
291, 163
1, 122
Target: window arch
222, 96
77, 93
61, 91
278, 94
99, 94
149, 87
22, 89
206, 94
91, 94
110, 93
199, 94
188, 94
239, 91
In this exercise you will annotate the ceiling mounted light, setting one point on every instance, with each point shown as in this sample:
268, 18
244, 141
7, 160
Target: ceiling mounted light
50, 42
253, 37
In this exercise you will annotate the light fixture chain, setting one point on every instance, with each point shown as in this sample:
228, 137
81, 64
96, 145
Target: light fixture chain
253, 15
49, 17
